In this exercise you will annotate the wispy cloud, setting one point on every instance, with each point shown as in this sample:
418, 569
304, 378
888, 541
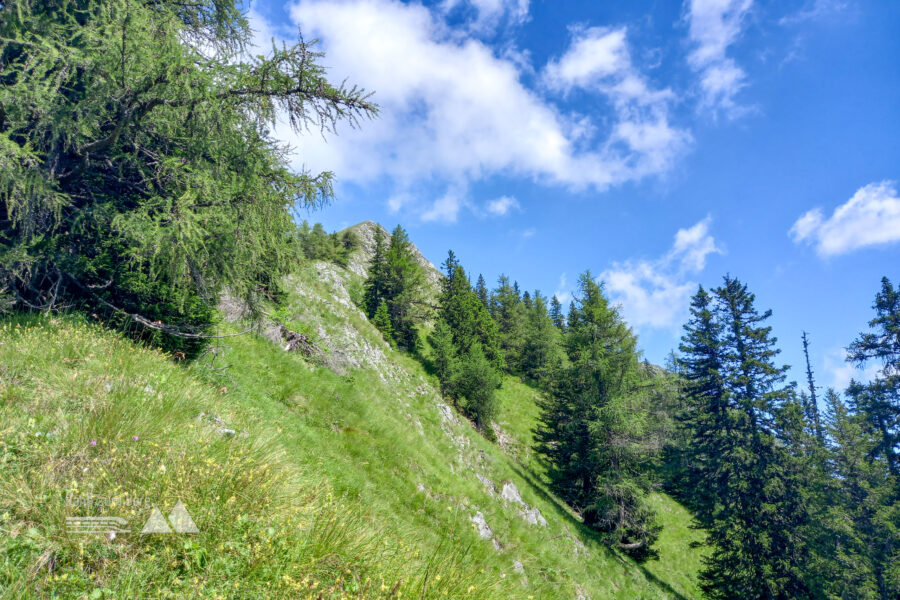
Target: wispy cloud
840, 372
563, 291
714, 25
502, 205
817, 9
487, 15
870, 218
656, 293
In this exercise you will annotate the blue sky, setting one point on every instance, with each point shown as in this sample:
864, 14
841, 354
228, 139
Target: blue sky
658, 144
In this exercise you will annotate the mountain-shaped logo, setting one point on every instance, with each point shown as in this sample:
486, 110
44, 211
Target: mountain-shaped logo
179, 518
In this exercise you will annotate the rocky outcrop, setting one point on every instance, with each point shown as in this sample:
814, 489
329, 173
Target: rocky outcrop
362, 258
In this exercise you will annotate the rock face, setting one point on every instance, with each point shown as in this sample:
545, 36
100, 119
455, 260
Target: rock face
362, 258
510, 493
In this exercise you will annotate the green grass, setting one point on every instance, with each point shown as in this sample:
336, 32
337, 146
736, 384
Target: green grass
343, 485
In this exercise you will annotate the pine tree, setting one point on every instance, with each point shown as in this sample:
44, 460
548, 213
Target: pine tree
592, 427
510, 315
377, 277
542, 352
466, 349
474, 387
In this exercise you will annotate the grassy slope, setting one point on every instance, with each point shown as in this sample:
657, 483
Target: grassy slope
366, 494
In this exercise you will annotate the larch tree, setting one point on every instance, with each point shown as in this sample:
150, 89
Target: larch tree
139, 176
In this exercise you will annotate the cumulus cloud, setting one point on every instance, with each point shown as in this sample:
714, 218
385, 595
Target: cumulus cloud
870, 218
656, 293
599, 60
454, 111
714, 25
502, 205
446, 208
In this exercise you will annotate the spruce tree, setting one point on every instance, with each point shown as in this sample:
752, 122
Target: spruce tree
482, 292
443, 355
466, 351
510, 314
758, 517
863, 520
812, 407
396, 278
879, 401
382, 320
592, 426
556, 313
542, 352
706, 413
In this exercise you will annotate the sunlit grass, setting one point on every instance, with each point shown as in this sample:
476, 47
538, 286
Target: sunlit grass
331, 486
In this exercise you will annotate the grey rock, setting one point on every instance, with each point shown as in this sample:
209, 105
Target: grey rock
510, 493
484, 530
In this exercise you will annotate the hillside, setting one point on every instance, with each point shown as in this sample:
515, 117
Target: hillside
336, 472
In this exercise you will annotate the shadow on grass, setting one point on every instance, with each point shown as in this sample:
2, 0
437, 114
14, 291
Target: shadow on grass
585, 532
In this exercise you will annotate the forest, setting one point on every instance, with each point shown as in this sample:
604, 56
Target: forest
795, 504
140, 180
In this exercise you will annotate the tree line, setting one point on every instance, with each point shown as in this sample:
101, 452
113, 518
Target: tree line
796, 490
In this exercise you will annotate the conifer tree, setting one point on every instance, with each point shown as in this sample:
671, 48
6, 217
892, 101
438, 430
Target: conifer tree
382, 320
706, 414
879, 401
140, 177
443, 355
510, 315
758, 517
812, 407
482, 292
466, 349
863, 547
377, 278
556, 313
396, 278
592, 427
542, 352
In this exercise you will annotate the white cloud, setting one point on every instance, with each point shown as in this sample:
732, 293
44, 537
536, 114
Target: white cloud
599, 60
490, 13
841, 372
656, 293
817, 9
714, 25
563, 292
453, 111
446, 208
502, 205
870, 218
692, 246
